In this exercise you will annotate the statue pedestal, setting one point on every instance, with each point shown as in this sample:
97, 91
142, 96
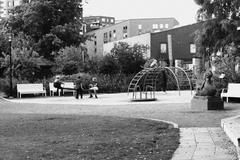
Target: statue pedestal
201, 103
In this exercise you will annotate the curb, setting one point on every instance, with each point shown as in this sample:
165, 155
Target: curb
175, 125
232, 129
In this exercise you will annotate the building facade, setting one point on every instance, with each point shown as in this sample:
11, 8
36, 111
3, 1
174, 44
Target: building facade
126, 29
175, 46
5, 5
97, 22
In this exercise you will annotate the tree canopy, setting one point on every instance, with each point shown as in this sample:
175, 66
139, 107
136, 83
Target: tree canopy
221, 19
219, 38
49, 24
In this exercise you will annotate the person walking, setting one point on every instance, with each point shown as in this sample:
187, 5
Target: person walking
79, 87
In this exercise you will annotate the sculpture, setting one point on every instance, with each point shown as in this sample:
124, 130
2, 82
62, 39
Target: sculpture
207, 88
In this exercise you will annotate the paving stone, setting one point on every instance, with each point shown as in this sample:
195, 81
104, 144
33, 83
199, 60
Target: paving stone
204, 144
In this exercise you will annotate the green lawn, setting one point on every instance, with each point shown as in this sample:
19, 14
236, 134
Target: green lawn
55, 137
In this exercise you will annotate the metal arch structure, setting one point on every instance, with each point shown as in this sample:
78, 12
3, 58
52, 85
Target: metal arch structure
145, 82
189, 80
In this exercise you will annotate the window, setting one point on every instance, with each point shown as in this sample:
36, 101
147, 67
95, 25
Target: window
114, 34
125, 35
163, 48
8, 4
155, 26
110, 36
105, 37
95, 50
112, 20
139, 27
192, 48
95, 43
103, 19
161, 26
166, 25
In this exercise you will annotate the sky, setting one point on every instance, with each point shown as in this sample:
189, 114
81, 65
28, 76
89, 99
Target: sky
183, 10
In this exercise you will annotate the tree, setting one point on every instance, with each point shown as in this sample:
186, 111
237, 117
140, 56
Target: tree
109, 65
221, 19
130, 58
69, 60
50, 24
25, 63
219, 33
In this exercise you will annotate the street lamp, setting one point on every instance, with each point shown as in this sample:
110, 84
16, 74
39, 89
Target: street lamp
10, 64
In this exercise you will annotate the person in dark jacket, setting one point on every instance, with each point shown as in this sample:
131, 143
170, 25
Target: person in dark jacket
58, 84
164, 81
79, 88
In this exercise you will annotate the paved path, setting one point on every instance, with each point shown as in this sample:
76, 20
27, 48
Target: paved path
205, 142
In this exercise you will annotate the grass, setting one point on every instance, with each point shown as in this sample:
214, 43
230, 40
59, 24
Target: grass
55, 137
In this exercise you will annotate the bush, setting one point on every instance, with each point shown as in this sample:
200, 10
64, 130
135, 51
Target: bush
106, 83
109, 65
4, 86
129, 58
70, 56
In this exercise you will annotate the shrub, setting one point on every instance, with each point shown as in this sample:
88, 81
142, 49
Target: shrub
109, 65
106, 83
70, 56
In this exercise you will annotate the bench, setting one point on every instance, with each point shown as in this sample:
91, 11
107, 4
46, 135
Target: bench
68, 87
233, 91
52, 90
31, 88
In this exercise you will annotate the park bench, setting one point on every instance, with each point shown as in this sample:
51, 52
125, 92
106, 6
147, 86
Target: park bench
68, 87
30, 88
52, 90
233, 91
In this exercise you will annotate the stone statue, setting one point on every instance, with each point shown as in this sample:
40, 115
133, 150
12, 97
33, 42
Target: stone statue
206, 97
207, 88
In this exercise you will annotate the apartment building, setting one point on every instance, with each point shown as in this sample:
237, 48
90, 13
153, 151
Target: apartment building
175, 46
5, 5
97, 22
126, 29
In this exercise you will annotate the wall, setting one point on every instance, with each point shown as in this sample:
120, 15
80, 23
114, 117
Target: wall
182, 37
147, 25
132, 30
8, 4
143, 39
99, 38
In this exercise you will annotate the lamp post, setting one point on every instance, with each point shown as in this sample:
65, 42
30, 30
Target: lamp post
10, 64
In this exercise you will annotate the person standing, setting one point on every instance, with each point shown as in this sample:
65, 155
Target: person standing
79, 87
164, 81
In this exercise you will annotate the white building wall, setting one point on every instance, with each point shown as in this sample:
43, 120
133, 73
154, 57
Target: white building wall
9, 4
144, 39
